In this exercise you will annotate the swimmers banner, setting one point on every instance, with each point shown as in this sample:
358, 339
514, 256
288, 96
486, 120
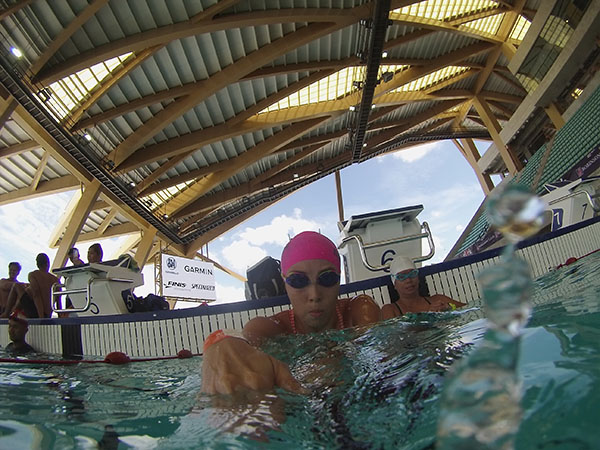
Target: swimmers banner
187, 278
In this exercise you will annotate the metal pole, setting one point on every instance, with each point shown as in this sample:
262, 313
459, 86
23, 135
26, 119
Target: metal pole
340, 201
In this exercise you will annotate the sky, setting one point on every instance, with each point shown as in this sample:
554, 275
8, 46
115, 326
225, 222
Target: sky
434, 175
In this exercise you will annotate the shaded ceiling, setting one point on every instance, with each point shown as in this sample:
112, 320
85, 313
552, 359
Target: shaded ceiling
181, 119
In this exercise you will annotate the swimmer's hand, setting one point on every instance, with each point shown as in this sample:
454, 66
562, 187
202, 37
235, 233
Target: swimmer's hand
232, 365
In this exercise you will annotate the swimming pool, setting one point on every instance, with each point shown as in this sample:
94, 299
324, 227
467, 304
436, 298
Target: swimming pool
378, 389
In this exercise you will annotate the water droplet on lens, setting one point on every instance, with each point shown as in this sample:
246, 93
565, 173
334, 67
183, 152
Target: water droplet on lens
516, 212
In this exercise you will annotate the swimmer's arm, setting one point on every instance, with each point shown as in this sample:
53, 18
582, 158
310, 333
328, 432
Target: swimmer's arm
233, 365
363, 310
450, 303
257, 330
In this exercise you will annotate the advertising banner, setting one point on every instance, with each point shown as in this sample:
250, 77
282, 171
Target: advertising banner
187, 278
585, 167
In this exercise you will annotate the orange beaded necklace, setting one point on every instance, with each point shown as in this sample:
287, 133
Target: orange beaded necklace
340, 324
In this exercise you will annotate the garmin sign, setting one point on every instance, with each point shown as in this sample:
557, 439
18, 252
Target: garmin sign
187, 278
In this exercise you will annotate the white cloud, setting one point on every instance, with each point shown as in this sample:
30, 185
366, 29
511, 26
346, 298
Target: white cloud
417, 152
27, 227
247, 246
240, 255
279, 230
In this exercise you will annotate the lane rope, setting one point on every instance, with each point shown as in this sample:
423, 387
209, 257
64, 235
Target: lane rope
116, 358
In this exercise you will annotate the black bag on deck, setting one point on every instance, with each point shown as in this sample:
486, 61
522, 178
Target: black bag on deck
264, 279
149, 303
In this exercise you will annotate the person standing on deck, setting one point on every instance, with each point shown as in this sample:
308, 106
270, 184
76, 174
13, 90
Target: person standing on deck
95, 253
34, 300
405, 277
310, 266
73, 256
7, 284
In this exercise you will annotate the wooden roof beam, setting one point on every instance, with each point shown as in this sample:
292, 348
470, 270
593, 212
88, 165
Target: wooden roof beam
112, 231
438, 25
10, 10
215, 200
75, 222
228, 75
508, 22
247, 158
513, 164
390, 133
468, 149
128, 65
414, 73
164, 35
221, 267
66, 34
233, 127
54, 186
6, 111
17, 149
38, 173
106, 221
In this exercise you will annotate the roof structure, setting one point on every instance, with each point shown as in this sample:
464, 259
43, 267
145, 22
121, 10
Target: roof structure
177, 120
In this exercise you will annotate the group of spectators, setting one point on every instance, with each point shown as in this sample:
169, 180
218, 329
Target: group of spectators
22, 301
34, 299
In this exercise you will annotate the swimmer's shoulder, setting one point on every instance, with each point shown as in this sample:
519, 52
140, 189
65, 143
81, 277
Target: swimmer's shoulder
359, 310
389, 311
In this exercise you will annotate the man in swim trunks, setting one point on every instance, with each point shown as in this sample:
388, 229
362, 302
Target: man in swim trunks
17, 329
7, 284
35, 300
95, 253
405, 277
310, 266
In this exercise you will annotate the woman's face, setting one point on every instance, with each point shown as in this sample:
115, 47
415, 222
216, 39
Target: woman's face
408, 286
314, 305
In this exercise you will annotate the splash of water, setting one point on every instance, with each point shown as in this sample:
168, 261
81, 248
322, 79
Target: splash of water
481, 399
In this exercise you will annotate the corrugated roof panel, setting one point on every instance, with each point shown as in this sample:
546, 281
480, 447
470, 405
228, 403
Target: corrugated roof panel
497, 84
18, 171
163, 73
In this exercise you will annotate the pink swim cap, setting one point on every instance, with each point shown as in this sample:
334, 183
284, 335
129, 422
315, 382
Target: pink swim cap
309, 245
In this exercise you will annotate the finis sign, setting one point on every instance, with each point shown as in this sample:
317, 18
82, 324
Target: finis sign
188, 279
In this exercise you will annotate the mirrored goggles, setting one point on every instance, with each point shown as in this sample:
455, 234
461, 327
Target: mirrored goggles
404, 276
300, 280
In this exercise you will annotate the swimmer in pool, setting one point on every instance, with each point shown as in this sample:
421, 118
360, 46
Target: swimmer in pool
310, 266
17, 329
405, 277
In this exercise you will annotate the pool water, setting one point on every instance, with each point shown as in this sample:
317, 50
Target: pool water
375, 388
